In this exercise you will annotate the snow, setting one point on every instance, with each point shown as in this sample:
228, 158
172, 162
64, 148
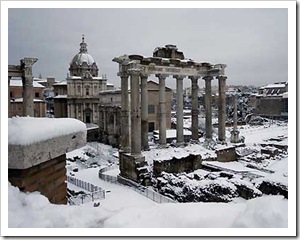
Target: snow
62, 82
163, 154
18, 83
123, 208
28, 130
275, 86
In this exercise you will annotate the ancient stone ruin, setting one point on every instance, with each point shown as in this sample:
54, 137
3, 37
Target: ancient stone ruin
166, 61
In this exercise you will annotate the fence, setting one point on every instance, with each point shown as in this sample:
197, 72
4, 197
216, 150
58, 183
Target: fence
149, 193
105, 169
95, 191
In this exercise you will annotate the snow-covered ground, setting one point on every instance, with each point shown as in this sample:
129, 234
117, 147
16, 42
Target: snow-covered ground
125, 208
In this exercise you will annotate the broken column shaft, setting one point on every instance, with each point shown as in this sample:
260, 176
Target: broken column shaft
179, 110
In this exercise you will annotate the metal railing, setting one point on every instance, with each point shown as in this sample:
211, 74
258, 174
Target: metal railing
95, 191
147, 192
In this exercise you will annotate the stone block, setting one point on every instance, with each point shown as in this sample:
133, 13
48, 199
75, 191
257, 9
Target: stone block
27, 156
226, 154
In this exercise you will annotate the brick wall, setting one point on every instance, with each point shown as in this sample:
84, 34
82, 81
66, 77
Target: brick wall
49, 178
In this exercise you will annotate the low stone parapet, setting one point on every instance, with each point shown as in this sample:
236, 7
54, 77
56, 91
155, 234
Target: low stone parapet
37, 150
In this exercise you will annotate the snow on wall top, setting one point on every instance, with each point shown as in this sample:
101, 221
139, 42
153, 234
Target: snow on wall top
28, 130
166, 154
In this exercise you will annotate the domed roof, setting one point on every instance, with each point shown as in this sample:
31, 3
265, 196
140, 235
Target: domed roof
83, 55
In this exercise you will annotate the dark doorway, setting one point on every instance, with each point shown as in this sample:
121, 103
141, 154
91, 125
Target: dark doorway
151, 126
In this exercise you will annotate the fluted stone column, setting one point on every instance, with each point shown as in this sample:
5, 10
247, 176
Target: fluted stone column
179, 110
208, 115
235, 113
195, 109
27, 80
125, 135
222, 108
135, 112
144, 112
162, 109
9, 103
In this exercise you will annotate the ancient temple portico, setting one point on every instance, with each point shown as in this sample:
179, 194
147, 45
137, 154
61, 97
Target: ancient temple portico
166, 62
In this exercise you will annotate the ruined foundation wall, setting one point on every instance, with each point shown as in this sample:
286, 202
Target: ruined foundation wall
186, 164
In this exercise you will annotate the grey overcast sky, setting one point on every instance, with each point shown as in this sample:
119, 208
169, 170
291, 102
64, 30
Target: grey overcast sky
252, 42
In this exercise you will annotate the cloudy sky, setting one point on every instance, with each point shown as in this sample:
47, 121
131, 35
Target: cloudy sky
252, 42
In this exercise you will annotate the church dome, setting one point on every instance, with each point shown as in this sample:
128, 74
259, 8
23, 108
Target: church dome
82, 57
83, 62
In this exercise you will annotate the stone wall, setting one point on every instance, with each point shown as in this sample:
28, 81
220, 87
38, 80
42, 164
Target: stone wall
175, 165
226, 154
134, 168
48, 178
271, 106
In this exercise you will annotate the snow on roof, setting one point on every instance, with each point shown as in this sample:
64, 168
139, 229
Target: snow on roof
61, 96
98, 78
21, 100
110, 84
75, 77
62, 82
18, 83
275, 86
90, 126
285, 95
39, 80
28, 130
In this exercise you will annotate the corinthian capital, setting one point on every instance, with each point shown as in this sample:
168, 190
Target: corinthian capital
28, 62
123, 74
134, 71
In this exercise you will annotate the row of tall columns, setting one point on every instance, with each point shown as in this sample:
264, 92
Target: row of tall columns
139, 114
